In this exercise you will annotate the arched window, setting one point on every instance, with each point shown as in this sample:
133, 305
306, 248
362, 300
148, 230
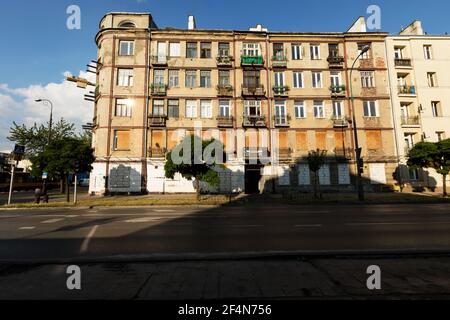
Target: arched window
127, 24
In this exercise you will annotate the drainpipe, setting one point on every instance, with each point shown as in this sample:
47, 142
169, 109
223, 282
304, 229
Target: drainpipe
146, 95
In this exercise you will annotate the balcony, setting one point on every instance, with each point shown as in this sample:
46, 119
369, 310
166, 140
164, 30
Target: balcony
159, 60
256, 153
279, 61
371, 122
225, 121
253, 91
224, 90
157, 120
159, 89
339, 122
282, 121
410, 121
343, 153
403, 62
224, 61
335, 61
280, 91
284, 154
157, 153
338, 91
254, 121
408, 90
251, 61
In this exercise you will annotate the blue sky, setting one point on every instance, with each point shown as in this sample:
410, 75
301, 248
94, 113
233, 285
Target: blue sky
37, 48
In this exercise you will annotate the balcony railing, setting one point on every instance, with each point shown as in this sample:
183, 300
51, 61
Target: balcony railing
279, 61
280, 90
410, 121
284, 154
159, 89
225, 121
256, 153
254, 121
406, 89
336, 61
282, 121
224, 90
159, 60
157, 120
157, 152
338, 91
402, 62
224, 61
252, 60
339, 122
253, 91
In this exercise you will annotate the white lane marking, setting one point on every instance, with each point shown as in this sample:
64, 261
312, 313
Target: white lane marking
27, 228
164, 210
85, 244
52, 220
308, 226
395, 223
140, 220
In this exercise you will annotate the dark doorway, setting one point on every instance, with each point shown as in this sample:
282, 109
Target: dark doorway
252, 177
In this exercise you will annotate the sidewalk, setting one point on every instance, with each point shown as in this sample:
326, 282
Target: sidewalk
322, 278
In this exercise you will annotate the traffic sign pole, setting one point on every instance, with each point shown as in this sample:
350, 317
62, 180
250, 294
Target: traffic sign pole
11, 184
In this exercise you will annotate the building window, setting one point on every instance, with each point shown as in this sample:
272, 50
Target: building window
125, 77
123, 108
279, 79
278, 51
191, 50
365, 55
315, 51
297, 51
252, 108
158, 76
126, 48
250, 49
121, 140
191, 78
224, 49
338, 110
158, 108
436, 109
174, 79
299, 109
335, 78
191, 108
427, 52
205, 109
205, 50
333, 50
205, 79
224, 108
298, 79
317, 79
440, 135
173, 109
251, 79
432, 79
367, 79
413, 174
174, 49
319, 110
224, 78
370, 109
398, 52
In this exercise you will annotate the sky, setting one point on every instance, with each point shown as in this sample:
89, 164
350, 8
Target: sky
38, 49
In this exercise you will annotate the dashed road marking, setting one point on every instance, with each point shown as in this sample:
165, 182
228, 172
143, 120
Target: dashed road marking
141, 220
164, 210
27, 228
85, 244
52, 220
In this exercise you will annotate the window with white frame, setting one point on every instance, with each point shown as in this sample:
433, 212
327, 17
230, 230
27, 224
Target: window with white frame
250, 49
280, 113
315, 51
174, 49
319, 109
174, 78
191, 78
123, 107
398, 52
298, 79
191, 108
224, 49
224, 108
436, 109
126, 48
367, 79
205, 109
125, 77
370, 109
158, 76
427, 52
173, 108
191, 50
335, 78
299, 109
365, 55
432, 82
252, 108
158, 108
317, 79
297, 51
279, 79
205, 79
338, 110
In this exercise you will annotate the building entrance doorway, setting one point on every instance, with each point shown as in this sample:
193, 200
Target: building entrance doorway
252, 178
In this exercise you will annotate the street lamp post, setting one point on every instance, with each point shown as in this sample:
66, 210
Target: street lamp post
359, 165
47, 102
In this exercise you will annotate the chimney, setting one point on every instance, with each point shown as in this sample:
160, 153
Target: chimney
191, 23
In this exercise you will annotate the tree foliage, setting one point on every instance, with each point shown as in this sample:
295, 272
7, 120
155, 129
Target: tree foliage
316, 159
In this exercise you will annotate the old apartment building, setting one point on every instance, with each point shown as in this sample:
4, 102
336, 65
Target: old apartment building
420, 88
280, 94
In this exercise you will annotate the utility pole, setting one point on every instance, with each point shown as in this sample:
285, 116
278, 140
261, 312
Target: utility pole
47, 102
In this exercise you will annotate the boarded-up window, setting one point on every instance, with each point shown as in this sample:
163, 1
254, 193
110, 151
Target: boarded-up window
122, 140
339, 139
321, 142
301, 141
158, 139
206, 135
373, 139
173, 139
251, 139
283, 140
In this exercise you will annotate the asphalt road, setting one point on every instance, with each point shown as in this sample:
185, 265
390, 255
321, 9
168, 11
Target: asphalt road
42, 235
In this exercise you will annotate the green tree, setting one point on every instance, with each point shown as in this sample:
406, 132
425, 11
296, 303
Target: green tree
62, 158
191, 163
432, 155
316, 159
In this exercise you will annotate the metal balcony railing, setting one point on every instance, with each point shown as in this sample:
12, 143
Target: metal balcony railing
254, 121
225, 121
279, 61
252, 60
410, 121
224, 90
339, 122
336, 61
253, 91
280, 90
407, 89
159, 60
157, 120
159, 89
256, 153
224, 61
282, 121
157, 152
402, 62
338, 91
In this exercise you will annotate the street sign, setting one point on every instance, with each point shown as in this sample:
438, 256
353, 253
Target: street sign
19, 150
44, 175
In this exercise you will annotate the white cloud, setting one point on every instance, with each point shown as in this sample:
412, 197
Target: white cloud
18, 104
